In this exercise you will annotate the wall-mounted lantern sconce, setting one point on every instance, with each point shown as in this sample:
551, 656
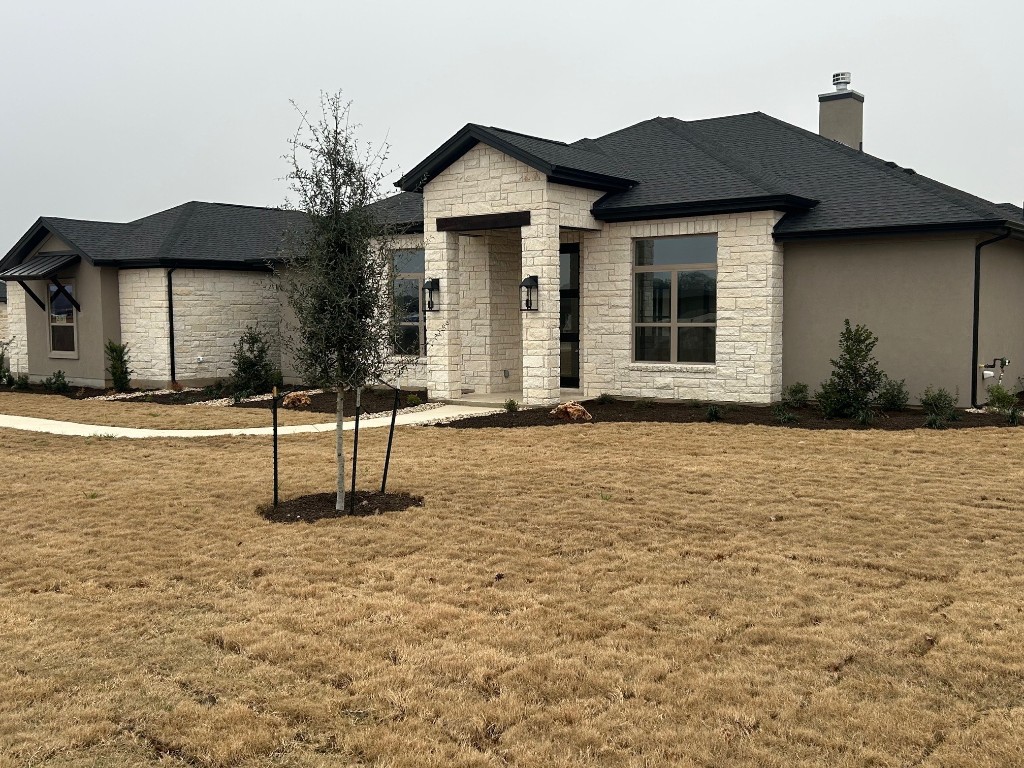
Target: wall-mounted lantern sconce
431, 293
529, 294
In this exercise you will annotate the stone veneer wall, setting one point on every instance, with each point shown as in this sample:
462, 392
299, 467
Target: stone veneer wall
4, 332
749, 335
489, 317
142, 296
17, 329
212, 308
748, 363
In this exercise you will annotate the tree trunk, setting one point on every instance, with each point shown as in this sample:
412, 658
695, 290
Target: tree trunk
339, 504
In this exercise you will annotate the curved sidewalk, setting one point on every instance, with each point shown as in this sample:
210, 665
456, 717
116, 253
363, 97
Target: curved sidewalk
28, 424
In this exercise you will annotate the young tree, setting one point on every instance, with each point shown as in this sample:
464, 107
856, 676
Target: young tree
339, 266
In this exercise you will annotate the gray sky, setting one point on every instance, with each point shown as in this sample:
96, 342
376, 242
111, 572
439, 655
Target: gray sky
114, 110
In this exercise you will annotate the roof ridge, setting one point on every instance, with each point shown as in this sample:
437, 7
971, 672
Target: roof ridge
893, 169
176, 229
758, 176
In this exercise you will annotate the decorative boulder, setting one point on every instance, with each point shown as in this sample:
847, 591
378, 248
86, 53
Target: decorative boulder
571, 412
296, 400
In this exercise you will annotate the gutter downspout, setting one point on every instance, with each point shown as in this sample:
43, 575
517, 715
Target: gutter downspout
977, 314
170, 319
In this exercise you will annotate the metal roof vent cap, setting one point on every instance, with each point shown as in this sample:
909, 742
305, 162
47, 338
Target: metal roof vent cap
842, 80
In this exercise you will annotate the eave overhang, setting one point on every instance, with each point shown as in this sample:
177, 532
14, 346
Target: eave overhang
785, 203
1015, 228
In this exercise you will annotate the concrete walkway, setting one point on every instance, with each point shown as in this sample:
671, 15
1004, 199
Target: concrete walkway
92, 430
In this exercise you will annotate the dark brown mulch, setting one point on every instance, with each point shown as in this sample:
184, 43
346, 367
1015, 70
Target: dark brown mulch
320, 506
76, 392
372, 401
620, 411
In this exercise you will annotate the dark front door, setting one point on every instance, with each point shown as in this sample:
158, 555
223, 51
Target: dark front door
569, 315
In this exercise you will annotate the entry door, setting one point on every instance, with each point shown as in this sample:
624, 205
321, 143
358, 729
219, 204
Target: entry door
569, 315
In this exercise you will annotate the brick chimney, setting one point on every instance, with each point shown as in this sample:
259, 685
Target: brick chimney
841, 113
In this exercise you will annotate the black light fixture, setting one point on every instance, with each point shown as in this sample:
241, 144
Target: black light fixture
529, 294
431, 292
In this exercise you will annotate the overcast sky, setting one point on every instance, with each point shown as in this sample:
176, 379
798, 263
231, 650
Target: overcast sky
115, 110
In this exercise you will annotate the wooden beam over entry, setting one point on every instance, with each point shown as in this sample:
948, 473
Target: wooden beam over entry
484, 221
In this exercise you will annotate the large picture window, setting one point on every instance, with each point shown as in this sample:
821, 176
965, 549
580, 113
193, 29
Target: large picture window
63, 322
674, 299
408, 293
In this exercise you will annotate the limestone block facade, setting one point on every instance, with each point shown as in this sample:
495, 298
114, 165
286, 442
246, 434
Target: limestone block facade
748, 346
142, 296
211, 310
17, 328
473, 335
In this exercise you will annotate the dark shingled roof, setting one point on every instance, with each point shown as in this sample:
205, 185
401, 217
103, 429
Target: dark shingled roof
668, 167
195, 234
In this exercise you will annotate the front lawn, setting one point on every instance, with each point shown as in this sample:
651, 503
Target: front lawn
606, 595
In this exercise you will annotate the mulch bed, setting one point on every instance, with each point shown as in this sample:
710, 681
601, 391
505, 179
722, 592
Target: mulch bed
372, 401
320, 506
620, 411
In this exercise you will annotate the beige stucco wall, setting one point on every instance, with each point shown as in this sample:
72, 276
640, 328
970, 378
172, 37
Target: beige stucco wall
915, 294
1001, 330
96, 290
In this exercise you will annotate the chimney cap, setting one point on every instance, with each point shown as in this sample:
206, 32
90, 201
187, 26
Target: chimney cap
842, 80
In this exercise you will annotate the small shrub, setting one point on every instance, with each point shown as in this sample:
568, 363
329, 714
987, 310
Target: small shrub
714, 413
796, 395
21, 382
1000, 399
643, 402
782, 414
893, 395
511, 406
57, 383
605, 399
5, 348
118, 364
1013, 416
252, 371
413, 400
939, 406
865, 416
856, 377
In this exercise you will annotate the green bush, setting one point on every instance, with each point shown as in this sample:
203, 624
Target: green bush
511, 406
1013, 416
118, 364
939, 406
57, 383
893, 395
412, 400
21, 382
782, 414
714, 413
1000, 399
796, 395
252, 371
5, 348
856, 378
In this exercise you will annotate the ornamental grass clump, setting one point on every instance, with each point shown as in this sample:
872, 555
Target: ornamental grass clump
939, 406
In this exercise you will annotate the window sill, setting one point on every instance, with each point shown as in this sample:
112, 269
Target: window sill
63, 355
673, 367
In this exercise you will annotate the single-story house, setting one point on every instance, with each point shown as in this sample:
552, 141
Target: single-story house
709, 259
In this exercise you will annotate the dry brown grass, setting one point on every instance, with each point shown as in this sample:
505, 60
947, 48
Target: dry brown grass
148, 415
668, 595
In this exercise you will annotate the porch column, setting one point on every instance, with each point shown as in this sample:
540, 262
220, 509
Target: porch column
540, 328
444, 346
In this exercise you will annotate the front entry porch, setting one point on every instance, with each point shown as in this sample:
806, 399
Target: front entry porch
485, 342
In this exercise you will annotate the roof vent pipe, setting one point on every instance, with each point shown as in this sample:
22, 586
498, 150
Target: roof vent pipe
841, 113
